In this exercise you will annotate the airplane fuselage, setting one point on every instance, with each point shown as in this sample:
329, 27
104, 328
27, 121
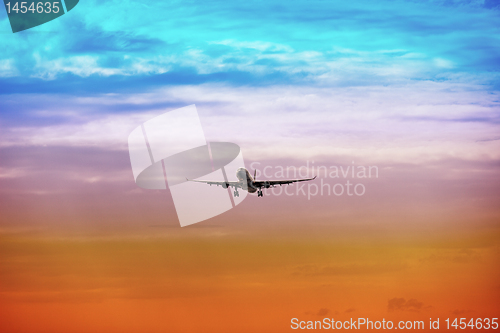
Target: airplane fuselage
248, 183
246, 180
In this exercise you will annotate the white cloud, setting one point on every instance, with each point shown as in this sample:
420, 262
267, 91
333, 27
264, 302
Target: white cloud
7, 68
443, 63
83, 66
419, 121
257, 45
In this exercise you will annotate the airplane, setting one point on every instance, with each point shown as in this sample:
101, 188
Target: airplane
248, 183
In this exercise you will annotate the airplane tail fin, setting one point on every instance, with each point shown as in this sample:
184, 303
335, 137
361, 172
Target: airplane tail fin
255, 174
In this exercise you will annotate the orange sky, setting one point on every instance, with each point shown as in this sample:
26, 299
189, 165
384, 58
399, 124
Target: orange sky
217, 279
84, 250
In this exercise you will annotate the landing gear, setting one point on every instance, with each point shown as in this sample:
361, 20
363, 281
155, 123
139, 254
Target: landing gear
236, 193
259, 193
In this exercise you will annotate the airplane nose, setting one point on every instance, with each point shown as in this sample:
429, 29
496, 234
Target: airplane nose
240, 173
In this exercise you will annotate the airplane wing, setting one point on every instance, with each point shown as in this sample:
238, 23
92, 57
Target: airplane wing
223, 184
269, 183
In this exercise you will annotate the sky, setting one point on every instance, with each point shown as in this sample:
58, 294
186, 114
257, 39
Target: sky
409, 87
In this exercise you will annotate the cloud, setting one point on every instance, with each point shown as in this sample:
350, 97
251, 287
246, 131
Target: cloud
327, 43
352, 269
461, 312
376, 122
400, 304
457, 256
7, 68
489, 139
79, 65
493, 119
323, 312
257, 45
491, 4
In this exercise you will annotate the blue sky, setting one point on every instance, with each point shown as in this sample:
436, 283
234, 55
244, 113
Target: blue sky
366, 72
256, 43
